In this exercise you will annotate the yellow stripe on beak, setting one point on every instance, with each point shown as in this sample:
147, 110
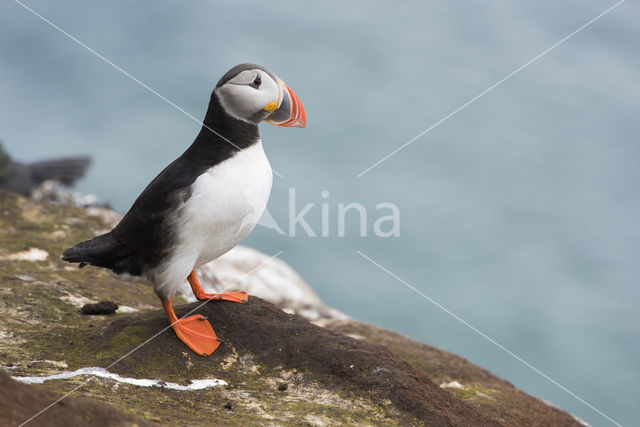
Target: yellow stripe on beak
270, 106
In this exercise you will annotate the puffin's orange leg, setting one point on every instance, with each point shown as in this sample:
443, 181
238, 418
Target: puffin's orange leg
195, 331
196, 287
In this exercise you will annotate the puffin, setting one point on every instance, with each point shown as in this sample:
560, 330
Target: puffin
204, 203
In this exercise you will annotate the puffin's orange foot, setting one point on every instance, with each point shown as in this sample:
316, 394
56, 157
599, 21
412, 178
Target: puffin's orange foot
199, 292
196, 332
240, 297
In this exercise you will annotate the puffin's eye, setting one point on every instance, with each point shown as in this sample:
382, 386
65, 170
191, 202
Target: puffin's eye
256, 82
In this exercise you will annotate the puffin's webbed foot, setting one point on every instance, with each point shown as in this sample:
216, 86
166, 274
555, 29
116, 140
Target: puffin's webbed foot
196, 287
195, 331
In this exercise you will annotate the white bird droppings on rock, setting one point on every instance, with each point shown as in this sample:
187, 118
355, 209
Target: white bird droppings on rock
452, 384
126, 309
103, 373
77, 300
33, 254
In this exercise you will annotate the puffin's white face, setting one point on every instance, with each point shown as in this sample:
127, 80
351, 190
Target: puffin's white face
249, 95
254, 95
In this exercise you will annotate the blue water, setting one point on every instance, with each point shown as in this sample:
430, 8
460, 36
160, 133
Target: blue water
519, 214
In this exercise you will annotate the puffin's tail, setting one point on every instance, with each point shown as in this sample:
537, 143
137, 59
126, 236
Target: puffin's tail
66, 170
101, 251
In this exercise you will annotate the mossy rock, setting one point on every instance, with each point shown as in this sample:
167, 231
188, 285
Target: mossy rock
280, 368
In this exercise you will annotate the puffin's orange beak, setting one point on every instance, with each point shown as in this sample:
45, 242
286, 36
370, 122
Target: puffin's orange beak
290, 112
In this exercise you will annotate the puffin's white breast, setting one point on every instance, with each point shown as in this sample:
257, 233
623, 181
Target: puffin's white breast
225, 204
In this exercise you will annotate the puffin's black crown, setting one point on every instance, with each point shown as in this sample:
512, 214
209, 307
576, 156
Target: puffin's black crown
240, 68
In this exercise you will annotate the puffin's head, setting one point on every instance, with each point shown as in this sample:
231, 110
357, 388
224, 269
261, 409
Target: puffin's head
252, 93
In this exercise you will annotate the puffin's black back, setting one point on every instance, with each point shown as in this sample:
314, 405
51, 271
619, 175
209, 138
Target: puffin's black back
144, 236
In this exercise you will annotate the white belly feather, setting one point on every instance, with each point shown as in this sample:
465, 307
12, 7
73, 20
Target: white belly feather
226, 203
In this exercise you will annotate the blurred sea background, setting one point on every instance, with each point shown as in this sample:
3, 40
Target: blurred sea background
519, 213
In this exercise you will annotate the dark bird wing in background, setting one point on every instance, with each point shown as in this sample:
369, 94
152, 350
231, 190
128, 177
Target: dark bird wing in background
66, 170
24, 177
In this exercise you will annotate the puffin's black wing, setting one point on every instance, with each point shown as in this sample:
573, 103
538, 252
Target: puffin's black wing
144, 235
